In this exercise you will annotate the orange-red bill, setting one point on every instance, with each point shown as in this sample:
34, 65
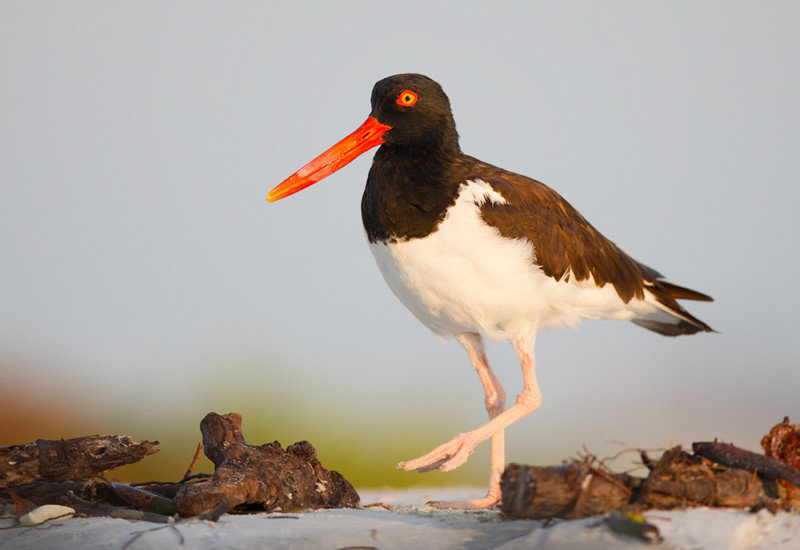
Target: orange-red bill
366, 137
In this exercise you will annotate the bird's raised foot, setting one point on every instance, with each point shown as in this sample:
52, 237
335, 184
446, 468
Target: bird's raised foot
486, 503
445, 457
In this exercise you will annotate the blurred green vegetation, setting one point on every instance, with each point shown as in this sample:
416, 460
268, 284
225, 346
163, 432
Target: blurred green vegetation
365, 453
363, 442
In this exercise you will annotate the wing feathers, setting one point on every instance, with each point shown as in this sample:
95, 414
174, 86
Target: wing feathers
566, 244
683, 293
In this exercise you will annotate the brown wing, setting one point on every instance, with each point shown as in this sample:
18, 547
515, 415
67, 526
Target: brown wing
566, 245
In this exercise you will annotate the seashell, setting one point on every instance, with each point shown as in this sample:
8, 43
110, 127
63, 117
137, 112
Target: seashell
45, 513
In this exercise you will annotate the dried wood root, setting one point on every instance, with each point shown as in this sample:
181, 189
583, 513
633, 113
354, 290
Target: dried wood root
69, 459
263, 476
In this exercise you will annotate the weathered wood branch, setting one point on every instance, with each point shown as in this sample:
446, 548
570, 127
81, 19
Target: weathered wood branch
570, 491
264, 476
59, 492
677, 479
69, 459
734, 457
257, 476
680, 479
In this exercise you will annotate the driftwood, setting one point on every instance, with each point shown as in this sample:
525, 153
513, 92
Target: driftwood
89, 508
570, 491
730, 455
170, 489
677, 479
262, 477
680, 479
265, 476
268, 477
61, 492
97, 498
144, 500
69, 459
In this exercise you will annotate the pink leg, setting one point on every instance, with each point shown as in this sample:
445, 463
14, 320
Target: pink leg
495, 404
455, 452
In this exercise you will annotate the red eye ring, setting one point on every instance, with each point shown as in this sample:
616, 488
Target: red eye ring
407, 98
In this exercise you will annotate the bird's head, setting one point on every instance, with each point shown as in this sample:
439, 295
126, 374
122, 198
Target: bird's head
416, 109
408, 110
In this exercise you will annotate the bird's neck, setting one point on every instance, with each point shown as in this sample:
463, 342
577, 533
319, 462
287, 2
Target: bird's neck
409, 190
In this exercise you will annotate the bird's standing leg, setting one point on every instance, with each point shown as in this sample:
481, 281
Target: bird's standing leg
455, 452
495, 404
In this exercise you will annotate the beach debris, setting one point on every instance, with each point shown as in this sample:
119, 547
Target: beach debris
46, 513
717, 474
632, 524
734, 457
69, 459
573, 490
21, 505
144, 500
265, 476
783, 443
680, 479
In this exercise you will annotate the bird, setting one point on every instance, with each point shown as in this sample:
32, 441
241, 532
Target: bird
475, 251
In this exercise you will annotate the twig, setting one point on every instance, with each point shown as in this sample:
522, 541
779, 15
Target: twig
135, 537
78, 500
196, 476
607, 477
630, 449
583, 494
188, 478
194, 461
109, 510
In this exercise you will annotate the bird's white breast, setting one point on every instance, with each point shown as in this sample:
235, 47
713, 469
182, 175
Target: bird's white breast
466, 277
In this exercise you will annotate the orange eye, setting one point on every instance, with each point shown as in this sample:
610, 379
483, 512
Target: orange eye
407, 98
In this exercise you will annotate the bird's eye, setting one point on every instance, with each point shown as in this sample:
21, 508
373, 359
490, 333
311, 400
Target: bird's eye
407, 98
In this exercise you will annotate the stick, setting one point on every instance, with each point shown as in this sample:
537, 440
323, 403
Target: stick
69, 459
734, 457
194, 461
570, 491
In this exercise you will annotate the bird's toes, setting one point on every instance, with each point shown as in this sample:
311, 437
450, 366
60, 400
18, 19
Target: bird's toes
425, 463
409, 465
432, 460
433, 465
445, 457
457, 459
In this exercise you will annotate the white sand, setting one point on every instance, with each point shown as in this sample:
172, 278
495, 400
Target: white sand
416, 527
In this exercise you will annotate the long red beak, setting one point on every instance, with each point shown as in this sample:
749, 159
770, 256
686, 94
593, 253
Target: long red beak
366, 137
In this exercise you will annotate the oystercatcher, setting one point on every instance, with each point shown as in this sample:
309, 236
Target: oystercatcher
473, 250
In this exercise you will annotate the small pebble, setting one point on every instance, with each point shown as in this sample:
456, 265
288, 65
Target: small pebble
44, 513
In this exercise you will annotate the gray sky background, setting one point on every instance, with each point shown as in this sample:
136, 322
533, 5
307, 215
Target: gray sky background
138, 140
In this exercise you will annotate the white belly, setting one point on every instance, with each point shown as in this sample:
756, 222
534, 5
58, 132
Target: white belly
466, 277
